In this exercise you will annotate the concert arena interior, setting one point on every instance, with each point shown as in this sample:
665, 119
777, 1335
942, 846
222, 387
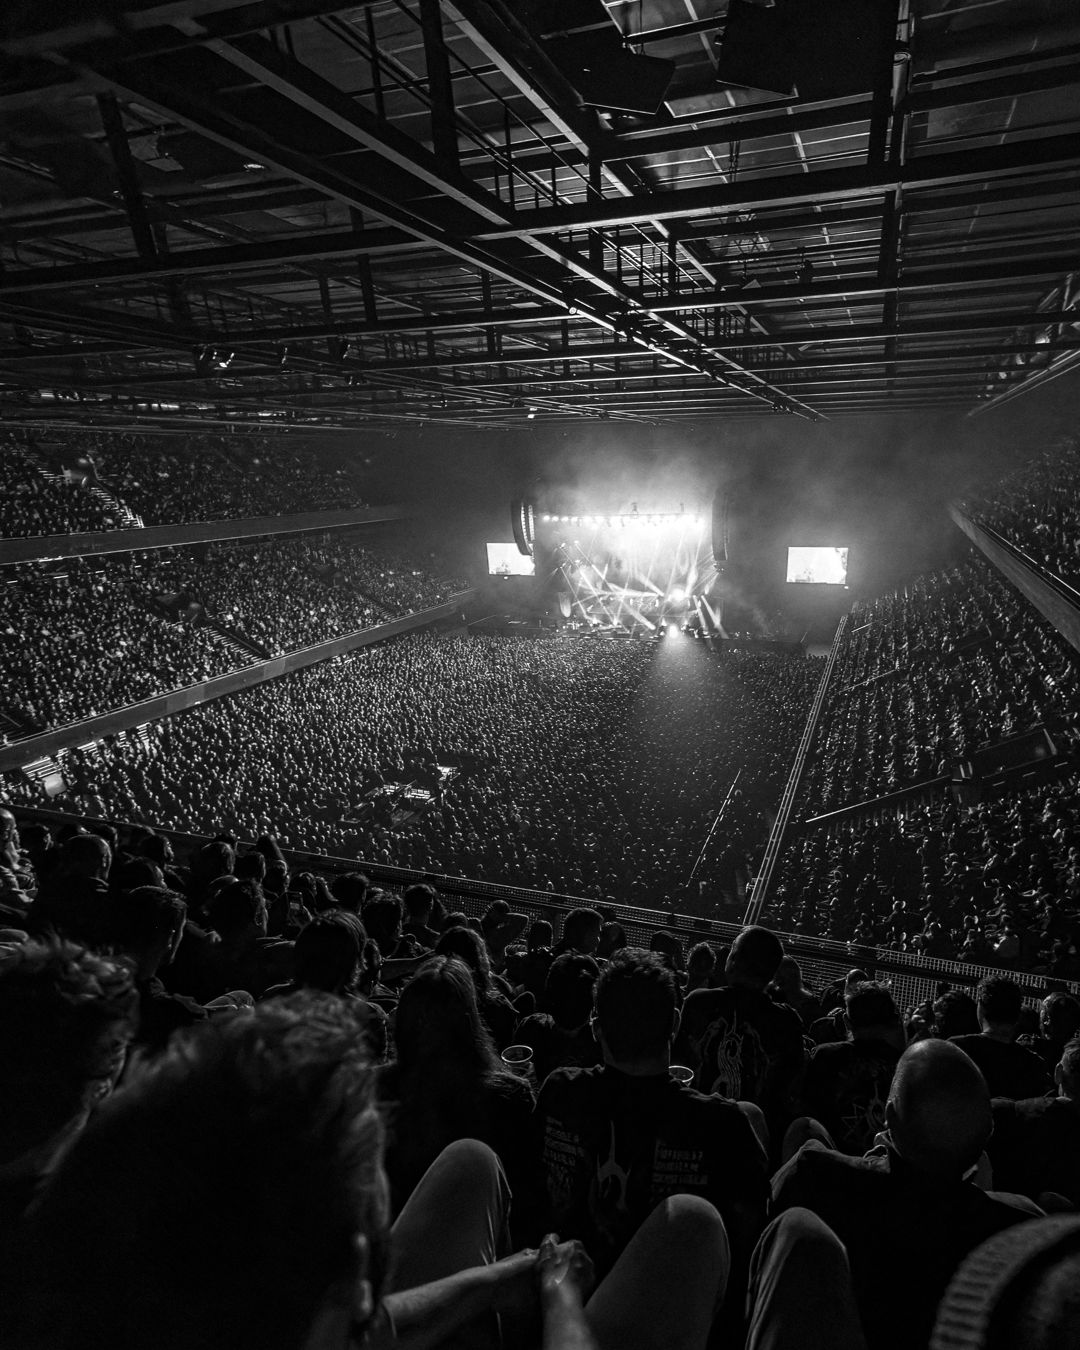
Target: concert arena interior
540, 631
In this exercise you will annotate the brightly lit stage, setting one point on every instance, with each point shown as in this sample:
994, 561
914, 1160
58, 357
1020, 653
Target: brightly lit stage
634, 571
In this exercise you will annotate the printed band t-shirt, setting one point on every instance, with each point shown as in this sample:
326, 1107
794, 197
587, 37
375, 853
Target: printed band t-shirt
613, 1146
846, 1087
741, 1045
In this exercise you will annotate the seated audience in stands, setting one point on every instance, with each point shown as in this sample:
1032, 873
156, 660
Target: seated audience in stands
955, 1014
84, 642
67, 1016
580, 933
787, 987
260, 1140
739, 1042
203, 477
1035, 1147
496, 1010
18, 876
74, 899
846, 1084
561, 1034
909, 1214
501, 926
448, 1082
1010, 1070
418, 904
1037, 508
1059, 1023
244, 957
530, 968
146, 927
616, 1139
700, 967
36, 504
334, 954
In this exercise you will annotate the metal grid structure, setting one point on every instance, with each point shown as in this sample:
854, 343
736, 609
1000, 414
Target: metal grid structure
289, 213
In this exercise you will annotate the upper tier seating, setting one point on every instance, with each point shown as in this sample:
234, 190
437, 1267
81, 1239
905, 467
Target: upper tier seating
924, 676
1038, 509
38, 502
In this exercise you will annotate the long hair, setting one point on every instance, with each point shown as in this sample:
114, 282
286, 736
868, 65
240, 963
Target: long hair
440, 1036
446, 1073
327, 952
469, 947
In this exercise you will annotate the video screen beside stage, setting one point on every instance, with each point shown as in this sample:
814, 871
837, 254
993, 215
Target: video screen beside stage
818, 566
504, 560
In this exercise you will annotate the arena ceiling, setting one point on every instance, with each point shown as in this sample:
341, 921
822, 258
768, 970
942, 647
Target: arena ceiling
292, 213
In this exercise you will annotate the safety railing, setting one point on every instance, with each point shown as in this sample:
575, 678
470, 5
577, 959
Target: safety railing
913, 978
760, 886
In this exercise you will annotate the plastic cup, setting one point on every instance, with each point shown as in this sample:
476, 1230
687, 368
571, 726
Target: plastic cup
518, 1059
682, 1074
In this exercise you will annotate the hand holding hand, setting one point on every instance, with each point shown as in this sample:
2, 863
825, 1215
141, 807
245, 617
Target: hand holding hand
564, 1267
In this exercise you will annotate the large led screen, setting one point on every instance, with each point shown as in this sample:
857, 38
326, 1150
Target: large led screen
822, 566
504, 560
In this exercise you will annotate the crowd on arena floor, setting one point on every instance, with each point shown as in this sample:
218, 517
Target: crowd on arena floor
927, 674
34, 504
245, 1108
583, 766
1037, 508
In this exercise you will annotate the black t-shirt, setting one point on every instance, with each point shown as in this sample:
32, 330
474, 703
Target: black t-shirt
497, 1111
846, 1088
905, 1233
1009, 1069
613, 1146
741, 1045
553, 1048
1035, 1147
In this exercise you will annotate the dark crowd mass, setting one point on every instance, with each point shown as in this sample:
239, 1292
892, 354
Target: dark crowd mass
924, 679
1038, 509
83, 637
67, 480
251, 1099
247, 1108
581, 766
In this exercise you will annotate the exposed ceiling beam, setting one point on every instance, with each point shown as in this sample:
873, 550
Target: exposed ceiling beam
1021, 156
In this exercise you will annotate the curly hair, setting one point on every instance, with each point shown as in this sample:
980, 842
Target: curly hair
635, 1004
66, 1018
218, 1196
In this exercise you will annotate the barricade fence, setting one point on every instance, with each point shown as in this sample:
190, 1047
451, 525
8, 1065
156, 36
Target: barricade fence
913, 979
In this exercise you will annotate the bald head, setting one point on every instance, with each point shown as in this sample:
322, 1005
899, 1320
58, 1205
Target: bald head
939, 1109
